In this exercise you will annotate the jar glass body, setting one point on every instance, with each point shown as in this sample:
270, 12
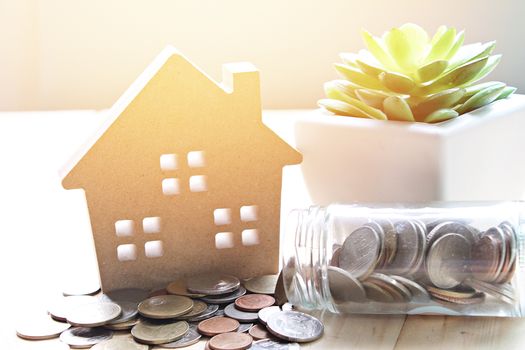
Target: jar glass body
448, 258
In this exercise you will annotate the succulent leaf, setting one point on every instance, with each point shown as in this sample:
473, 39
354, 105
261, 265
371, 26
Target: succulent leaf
396, 108
481, 98
441, 115
405, 75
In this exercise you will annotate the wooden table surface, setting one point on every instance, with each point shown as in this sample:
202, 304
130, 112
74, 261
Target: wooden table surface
47, 244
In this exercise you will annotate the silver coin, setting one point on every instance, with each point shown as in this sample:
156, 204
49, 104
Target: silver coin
360, 252
344, 287
499, 235
268, 344
419, 293
417, 268
84, 337
241, 316
244, 327
213, 284
295, 326
81, 286
390, 241
191, 337
381, 234
210, 311
452, 227
395, 288
224, 298
447, 260
62, 306
266, 312
220, 312
120, 343
287, 307
129, 312
500, 292
407, 248
93, 315
40, 326
133, 295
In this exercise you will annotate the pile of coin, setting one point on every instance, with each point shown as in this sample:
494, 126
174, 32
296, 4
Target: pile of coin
408, 261
231, 314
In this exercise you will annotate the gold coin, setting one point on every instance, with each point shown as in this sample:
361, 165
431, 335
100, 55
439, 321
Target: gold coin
122, 326
198, 308
120, 343
262, 284
165, 306
178, 287
150, 332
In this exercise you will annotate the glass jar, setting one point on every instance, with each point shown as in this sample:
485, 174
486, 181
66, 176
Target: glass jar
437, 258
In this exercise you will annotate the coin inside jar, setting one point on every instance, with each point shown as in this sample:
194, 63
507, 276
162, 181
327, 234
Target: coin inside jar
447, 260
217, 325
165, 306
344, 287
254, 302
360, 252
230, 341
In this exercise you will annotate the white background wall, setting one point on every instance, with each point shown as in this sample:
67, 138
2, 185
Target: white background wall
57, 54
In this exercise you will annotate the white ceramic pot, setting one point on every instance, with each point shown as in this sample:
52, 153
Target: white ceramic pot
477, 156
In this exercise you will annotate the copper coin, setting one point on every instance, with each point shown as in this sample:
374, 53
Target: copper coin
157, 292
458, 292
254, 302
485, 258
259, 332
231, 341
334, 261
217, 325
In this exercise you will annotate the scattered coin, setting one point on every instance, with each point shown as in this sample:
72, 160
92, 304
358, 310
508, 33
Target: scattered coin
159, 332
230, 341
225, 298
179, 287
157, 292
165, 306
61, 306
122, 326
263, 314
120, 343
210, 311
241, 316
213, 284
360, 252
269, 344
287, 307
259, 332
447, 260
254, 302
344, 287
191, 337
84, 337
262, 284
280, 292
81, 286
244, 327
129, 312
217, 325
40, 326
295, 326
93, 315
198, 308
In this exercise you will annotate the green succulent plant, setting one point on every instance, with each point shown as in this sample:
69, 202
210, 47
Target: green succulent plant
407, 76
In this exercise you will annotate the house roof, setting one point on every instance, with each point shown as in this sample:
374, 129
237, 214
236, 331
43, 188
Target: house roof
227, 85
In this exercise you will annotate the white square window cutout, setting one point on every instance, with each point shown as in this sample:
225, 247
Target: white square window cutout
154, 249
249, 213
168, 162
124, 228
127, 252
170, 186
222, 216
198, 183
196, 159
151, 224
224, 240
250, 237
